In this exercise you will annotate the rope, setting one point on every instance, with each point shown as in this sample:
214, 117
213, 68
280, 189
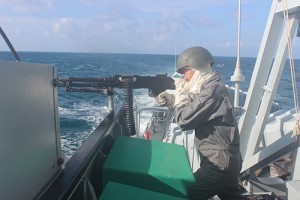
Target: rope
296, 131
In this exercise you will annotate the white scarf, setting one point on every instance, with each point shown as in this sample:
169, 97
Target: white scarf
195, 85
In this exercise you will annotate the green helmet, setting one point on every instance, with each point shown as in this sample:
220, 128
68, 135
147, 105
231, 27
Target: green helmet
194, 58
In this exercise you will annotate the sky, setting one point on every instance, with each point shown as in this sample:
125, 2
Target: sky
134, 26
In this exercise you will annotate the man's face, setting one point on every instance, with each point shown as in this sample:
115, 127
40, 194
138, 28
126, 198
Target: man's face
188, 74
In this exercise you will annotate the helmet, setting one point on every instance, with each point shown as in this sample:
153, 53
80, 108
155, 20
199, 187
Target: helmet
194, 58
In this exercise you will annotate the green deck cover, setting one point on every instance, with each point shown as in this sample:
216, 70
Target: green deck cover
132, 193
152, 165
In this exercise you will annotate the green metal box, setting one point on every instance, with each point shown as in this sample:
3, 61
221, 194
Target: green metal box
151, 165
132, 193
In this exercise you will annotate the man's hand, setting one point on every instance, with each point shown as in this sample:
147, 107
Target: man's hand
165, 99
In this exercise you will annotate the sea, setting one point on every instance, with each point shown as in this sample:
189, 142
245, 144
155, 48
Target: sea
81, 113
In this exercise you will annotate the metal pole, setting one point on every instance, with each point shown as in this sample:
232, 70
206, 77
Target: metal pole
9, 44
111, 102
238, 76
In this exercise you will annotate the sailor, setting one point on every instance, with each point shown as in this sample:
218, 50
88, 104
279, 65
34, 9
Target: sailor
202, 103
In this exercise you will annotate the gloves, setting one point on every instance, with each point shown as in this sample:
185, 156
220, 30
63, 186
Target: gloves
179, 84
165, 99
181, 95
169, 100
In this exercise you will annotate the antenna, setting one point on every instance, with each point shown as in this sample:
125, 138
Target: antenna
175, 60
238, 77
176, 74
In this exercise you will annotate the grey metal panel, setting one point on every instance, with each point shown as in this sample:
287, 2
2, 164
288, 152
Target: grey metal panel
293, 189
29, 129
269, 154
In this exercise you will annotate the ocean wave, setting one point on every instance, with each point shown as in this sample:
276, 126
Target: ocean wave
77, 122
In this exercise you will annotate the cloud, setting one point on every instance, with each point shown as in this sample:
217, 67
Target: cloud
124, 25
65, 27
155, 26
229, 44
160, 38
45, 33
175, 5
18, 31
28, 6
205, 21
106, 26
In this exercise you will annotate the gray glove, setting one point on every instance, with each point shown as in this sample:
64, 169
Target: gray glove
165, 99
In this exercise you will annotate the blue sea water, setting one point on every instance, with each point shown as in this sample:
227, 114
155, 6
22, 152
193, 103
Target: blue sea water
80, 113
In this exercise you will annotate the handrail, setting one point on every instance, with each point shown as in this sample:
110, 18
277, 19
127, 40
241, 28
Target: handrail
152, 109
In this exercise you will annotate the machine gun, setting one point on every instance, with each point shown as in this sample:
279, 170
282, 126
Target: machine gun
155, 84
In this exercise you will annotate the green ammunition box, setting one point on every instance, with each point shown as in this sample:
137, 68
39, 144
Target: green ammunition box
150, 165
117, 191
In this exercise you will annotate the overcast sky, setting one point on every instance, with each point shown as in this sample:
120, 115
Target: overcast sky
133, 26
